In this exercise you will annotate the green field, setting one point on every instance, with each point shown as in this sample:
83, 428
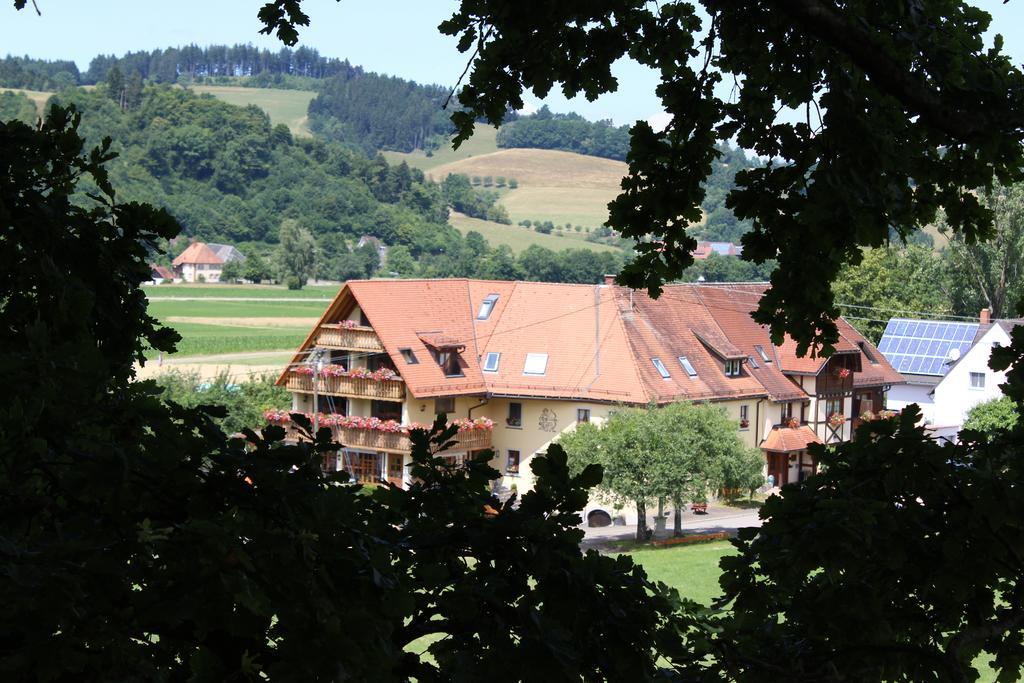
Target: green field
241, 291
204, 340
282, 106
482, 142
237, 309
519, 238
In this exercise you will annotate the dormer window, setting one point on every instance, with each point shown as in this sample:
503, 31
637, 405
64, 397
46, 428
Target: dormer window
486, 306
448, 359
732, 367
660, 367
536, 364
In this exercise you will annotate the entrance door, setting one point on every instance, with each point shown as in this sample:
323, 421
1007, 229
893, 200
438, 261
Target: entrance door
778, 467
395, 469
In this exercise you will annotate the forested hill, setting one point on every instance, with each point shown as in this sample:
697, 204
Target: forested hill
566, 132
228, 175
175, 64
380, 112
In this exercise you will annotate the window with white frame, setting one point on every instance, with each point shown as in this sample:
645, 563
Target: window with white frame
687, 366
977, 380
732, 367
583, 414
491, 361
744, 417
660, 367
486, 306
536, 364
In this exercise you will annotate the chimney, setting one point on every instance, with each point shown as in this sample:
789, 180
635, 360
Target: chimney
984, 316
609, 280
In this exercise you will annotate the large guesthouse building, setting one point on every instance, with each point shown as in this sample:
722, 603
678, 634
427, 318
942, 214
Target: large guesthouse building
518, 363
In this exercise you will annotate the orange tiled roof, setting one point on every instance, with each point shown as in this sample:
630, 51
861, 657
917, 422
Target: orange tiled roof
599, 339
789, 439
198, 252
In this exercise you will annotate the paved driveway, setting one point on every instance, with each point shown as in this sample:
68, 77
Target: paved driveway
718, 518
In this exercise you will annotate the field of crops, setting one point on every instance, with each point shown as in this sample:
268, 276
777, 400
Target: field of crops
237, 309
208, 340
182, 290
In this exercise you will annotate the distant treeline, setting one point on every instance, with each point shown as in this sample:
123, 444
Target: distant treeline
380, 112
566, 132
167, 66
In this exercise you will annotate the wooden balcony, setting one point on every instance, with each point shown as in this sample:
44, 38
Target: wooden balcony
351, 387
393, 442
350, 339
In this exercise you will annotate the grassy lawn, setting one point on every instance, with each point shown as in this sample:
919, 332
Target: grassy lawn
242, 291
691, 569
202, 340
519, 238
482, 142
282, 106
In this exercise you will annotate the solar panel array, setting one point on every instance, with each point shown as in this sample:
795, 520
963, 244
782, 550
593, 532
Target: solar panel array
925, 347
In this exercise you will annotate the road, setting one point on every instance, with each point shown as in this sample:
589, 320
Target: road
718, 518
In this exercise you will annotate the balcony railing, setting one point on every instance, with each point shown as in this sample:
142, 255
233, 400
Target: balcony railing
349, 338
352, 387
396, 442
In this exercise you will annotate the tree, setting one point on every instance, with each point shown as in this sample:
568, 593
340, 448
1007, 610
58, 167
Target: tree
232, 271
892, 281
990, 274
296, 255
400, 262
133, 91
698, 451
621, 447
243, 403
115, 86
255, 268
996, 415
142, 543
883, 114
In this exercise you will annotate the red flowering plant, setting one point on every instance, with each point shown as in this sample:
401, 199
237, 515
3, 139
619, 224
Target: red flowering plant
307, 370
843, 373
277, 417
836, 420
348, 324
792, 422
378, 375
479, 424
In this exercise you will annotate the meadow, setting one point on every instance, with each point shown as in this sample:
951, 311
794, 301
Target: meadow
188, 291
482, 142
282, 106
207, 340
519, 238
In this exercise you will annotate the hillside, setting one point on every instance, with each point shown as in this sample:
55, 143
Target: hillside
282, 106
482, 142
562, 187
519, 238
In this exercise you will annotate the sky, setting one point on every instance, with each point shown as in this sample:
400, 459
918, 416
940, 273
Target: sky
396, 37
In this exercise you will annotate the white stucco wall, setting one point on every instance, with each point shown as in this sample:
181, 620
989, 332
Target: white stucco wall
954, 396
902, 395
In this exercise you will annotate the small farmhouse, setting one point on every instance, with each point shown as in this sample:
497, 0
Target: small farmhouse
203, 262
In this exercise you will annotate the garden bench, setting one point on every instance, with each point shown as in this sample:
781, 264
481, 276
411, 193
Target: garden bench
699, 508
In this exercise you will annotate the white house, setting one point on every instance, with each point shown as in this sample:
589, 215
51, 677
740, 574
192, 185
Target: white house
946, 367
202, 262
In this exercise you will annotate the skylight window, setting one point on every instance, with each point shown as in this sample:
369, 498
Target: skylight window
688, 366
486, 306
660, 367
408, 356
761, 352
753, 362
536, 364
491, 361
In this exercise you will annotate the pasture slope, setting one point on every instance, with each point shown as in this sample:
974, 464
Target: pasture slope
562, 187
519, 238
282, 106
